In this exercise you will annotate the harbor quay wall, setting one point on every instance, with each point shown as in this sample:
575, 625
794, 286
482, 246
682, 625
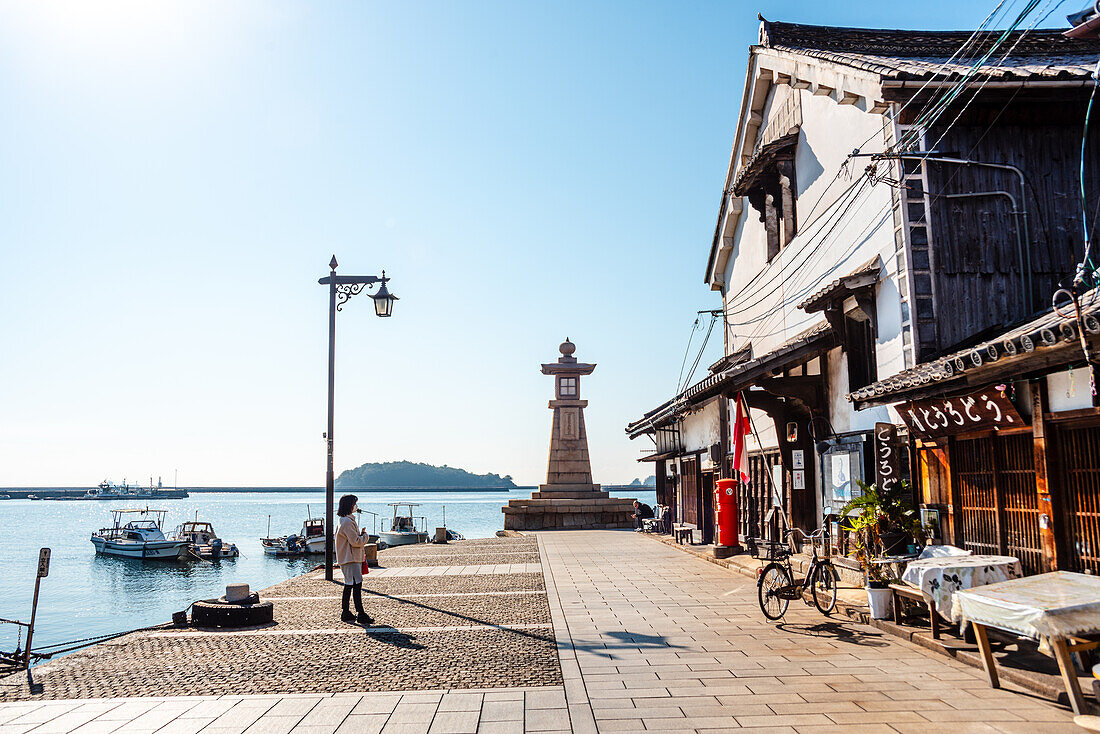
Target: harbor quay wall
573, 514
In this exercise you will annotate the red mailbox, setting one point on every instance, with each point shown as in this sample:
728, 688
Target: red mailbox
725, 499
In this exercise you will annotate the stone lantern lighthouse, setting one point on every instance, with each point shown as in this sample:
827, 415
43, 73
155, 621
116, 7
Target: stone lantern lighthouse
569, 499
569, 474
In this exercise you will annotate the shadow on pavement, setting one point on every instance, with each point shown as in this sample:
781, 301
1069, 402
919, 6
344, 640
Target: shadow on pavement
836, 631
394, 637
625, 640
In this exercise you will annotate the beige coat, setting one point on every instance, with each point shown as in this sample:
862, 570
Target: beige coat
349, 542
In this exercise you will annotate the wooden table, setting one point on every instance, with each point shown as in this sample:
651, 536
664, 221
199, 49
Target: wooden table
1060, 607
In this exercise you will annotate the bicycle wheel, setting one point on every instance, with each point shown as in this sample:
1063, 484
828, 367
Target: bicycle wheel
774, 578
824, 586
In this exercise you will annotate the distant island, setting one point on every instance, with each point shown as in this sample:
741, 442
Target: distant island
398, 474
650, 481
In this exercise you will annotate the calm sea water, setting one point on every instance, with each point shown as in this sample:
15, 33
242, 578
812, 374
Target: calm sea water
87, 595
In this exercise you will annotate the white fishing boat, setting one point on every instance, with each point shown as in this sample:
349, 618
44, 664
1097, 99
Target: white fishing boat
312, 535
204, 542
138, 533
403, 529
108, 491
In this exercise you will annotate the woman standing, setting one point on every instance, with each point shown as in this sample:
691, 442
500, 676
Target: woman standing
349, 555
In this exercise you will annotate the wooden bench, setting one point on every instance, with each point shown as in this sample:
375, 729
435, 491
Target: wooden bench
901, 590
683, 531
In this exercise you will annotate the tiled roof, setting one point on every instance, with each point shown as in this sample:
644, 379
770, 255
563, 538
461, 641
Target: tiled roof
865, 274
903, 55
1039, 335
735, 377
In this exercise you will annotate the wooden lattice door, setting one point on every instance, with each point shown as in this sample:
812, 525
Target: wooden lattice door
754, 498
689, 490
1079, 451
995, 497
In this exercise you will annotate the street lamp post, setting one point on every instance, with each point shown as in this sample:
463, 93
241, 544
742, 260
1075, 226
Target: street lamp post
340, 289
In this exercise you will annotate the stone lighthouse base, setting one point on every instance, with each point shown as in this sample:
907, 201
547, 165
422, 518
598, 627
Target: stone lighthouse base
571, 513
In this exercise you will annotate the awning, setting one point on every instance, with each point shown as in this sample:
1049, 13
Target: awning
663, 456
760, 160
841, 288
813, 341
1042, 345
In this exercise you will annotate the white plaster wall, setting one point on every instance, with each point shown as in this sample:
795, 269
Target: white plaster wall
761, 302
1069, 391
699, 429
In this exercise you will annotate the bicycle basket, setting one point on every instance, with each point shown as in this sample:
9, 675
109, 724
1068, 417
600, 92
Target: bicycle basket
768, 550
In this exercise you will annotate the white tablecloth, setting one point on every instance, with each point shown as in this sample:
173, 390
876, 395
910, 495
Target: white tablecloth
1058, 604
940, 578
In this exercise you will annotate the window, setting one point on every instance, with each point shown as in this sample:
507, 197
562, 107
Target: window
567, 387
860, 345
773, 196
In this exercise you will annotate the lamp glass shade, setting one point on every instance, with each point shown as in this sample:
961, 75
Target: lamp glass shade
383, 301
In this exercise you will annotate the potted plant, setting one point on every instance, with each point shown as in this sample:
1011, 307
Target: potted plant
880, 520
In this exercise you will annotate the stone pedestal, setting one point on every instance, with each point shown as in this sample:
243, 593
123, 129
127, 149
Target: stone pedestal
569, 499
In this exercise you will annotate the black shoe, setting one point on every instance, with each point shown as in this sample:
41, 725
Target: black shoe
364, 618
347, 617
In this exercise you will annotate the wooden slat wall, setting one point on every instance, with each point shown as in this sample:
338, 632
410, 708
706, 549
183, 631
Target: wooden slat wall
977, 270
1079, 450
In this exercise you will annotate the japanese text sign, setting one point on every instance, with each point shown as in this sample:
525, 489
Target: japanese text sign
887, 468
978, 411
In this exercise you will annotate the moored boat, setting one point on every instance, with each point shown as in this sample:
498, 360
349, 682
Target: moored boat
140, 537
105, 490
403, 529
204, 542
310, 540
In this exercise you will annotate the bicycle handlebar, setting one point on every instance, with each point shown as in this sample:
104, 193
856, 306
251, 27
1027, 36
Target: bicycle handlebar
819, 533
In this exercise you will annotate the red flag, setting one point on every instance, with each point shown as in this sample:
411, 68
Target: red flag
741, 429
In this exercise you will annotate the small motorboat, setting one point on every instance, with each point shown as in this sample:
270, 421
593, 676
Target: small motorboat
403, 529
204, 542
285, 547
140, 537
309, 541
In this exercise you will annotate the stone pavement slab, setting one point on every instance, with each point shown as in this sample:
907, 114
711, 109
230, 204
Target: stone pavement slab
665, 641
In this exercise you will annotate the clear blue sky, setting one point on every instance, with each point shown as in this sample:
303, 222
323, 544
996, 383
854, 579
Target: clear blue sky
174, 177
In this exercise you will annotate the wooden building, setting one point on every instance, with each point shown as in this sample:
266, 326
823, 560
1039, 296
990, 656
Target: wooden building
859, 240
1006, 438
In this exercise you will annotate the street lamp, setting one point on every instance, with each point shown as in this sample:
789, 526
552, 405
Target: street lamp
340, 289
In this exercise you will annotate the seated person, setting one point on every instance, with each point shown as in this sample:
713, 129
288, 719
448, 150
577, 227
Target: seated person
642, 511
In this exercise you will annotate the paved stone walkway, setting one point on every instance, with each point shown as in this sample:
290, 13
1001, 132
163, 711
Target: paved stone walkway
650, 639
666, 641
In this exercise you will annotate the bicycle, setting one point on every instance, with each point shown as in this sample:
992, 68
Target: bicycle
775, 582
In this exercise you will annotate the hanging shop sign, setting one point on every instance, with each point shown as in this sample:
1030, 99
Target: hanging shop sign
977, 411
887, 468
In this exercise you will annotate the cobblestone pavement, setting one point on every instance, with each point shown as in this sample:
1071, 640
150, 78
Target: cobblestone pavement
661, 640
477, 628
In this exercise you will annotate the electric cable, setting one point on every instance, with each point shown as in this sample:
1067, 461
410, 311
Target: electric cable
687, 349
699, 356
